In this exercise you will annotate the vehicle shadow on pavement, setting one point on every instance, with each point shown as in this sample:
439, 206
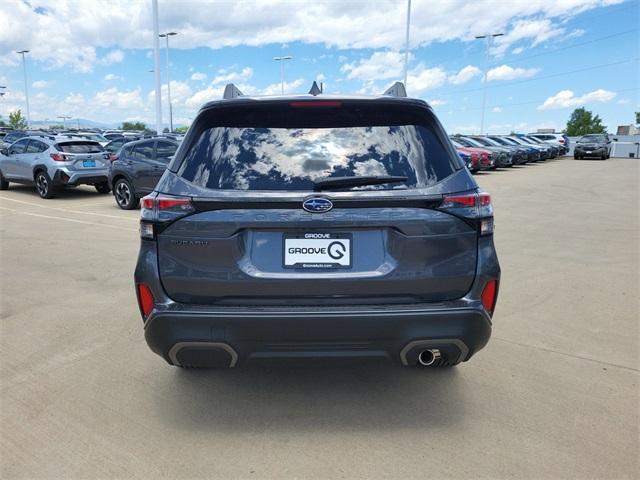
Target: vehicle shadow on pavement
303, 398
28, 193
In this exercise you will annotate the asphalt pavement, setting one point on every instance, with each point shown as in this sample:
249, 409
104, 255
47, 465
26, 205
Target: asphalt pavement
554, 394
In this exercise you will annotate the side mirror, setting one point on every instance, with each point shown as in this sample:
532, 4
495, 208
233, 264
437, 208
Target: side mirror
4, 151
615, 139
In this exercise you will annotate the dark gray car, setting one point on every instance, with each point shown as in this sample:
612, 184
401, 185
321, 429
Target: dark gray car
137, 169
316, 227
594, 145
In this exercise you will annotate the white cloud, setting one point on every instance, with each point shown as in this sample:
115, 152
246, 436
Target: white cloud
275, 88
40, 84
113, 98
114, 56
245, 74
567, 99
321, 77
203, 96
199, 76
61, 34
435, 102
421, 79
496, 110
505, 72
379, 66
623, 101
464, 75
111, 76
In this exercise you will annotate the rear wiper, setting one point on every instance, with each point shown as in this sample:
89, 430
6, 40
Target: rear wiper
345, 182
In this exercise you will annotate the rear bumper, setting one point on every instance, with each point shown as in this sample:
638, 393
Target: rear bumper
186, 334
209, 337
72, 177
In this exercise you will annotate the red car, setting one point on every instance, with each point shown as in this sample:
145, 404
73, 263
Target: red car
480, 159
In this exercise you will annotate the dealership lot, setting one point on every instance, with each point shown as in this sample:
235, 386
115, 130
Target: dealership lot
554, 394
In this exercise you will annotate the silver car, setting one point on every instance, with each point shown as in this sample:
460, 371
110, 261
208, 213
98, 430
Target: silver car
54, 162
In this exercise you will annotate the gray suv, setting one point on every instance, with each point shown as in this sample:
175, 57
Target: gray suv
316, 227
53, 162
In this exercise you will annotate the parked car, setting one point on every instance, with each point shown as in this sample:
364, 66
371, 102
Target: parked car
471, 160
50, 163
518, 154
116, 144
305, 226
112, 136
15, 135
137, 169
544, 152
96, 137
502, 156
533, 154
558, 139
594, 145
551, 150
485, 160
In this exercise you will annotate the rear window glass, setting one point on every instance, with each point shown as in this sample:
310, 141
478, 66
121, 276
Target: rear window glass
80, 147
294, 154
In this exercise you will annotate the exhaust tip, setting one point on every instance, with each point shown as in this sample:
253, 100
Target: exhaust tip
426, 358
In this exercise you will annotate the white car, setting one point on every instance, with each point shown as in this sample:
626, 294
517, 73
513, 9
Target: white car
557, 139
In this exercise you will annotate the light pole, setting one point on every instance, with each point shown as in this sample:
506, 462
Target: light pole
156, 65
166, 37
488, 40
281, 60
64, 120
406, 44
26, 90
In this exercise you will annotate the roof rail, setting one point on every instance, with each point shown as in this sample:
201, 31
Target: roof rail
396, 90
231, 91
315, 89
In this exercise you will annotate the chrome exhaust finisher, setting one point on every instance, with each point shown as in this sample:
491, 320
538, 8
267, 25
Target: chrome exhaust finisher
428, 357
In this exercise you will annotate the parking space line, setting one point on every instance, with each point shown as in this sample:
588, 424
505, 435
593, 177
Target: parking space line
51, 217
67, 210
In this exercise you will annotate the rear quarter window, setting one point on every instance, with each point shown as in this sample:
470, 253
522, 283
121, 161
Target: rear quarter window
286, 151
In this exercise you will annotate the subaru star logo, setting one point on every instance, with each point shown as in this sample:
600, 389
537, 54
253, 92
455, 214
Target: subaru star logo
317, 205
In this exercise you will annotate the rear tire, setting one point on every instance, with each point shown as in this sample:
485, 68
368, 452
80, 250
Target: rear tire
4, 184
102, 187
124, 196
604, 156
44, 185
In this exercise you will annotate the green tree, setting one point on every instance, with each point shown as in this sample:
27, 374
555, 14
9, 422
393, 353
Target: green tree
637, 118
180, 129
133, 126
56, 127
2, 124
582, 122
17, 120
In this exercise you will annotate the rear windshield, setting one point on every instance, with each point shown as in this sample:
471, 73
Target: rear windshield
593, 138
289, 151
80, 147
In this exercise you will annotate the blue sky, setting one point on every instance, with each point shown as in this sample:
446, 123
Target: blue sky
92, 59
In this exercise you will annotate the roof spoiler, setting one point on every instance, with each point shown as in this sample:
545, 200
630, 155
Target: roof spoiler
396, 90
231, 91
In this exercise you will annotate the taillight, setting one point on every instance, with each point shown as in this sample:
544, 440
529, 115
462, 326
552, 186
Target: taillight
112, 157
59, 157
145, 299
474, 206
561, 140
489, 295
158, 209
